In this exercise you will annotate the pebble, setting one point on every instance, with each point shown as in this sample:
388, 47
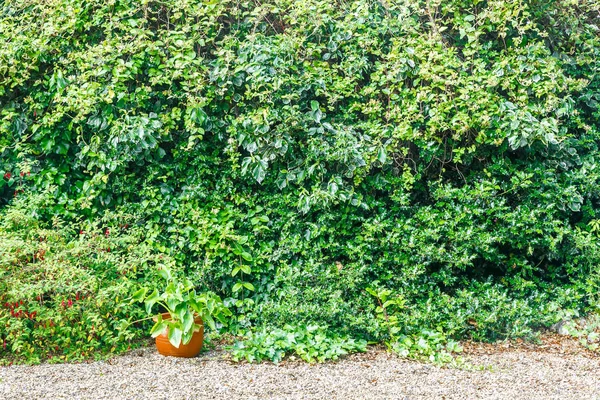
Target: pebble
143, 374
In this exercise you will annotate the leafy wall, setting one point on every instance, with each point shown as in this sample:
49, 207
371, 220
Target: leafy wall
446, 151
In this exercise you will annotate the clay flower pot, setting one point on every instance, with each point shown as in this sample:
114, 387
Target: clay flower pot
192, 349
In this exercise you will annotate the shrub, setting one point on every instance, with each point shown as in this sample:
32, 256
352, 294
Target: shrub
288, 155
310, 343
62, 285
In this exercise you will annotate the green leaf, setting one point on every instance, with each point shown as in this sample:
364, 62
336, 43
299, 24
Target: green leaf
173, 302
165, 272
317, 115
208, 319
198, 115
246, 269
175, 334
237, 286
151, 300
381, 155
159, 327
139, 295
259, 172
188, 321
187, 336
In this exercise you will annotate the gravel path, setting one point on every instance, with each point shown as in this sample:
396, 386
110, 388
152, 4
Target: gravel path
508, 374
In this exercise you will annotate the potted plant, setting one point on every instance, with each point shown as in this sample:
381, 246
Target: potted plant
179, 328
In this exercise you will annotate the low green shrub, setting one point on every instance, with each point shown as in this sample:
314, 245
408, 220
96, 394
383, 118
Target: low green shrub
586, 330
429, 327
63, 285
310, 343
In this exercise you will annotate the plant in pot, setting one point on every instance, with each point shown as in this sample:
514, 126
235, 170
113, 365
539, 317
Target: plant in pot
179, 328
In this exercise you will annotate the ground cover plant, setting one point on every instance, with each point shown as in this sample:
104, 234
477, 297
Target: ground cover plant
400, 172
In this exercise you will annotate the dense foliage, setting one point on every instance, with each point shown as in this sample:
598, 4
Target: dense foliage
398, 171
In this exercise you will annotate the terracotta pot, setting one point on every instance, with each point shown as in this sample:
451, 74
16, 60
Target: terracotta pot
192, 349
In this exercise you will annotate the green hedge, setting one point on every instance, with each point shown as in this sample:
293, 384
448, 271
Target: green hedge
445, 151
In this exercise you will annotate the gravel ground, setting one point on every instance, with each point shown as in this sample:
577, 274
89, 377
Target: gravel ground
498, 372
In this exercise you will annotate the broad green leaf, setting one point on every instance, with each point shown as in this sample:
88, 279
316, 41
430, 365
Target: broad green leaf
139, 295
237, 287
151, 300
381, 155
188, 321
174, 335
187, 336
159, 328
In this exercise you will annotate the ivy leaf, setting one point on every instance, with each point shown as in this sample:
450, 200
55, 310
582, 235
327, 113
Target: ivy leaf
208, 319
159, 327
151, 300
187, 336
188, 321
139, 295
175, 334
259, 171
198, 115
381, 155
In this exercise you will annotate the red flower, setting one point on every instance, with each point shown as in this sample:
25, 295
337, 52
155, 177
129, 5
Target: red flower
106, 232
22, 174
70, 302
7, 175
62, 303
